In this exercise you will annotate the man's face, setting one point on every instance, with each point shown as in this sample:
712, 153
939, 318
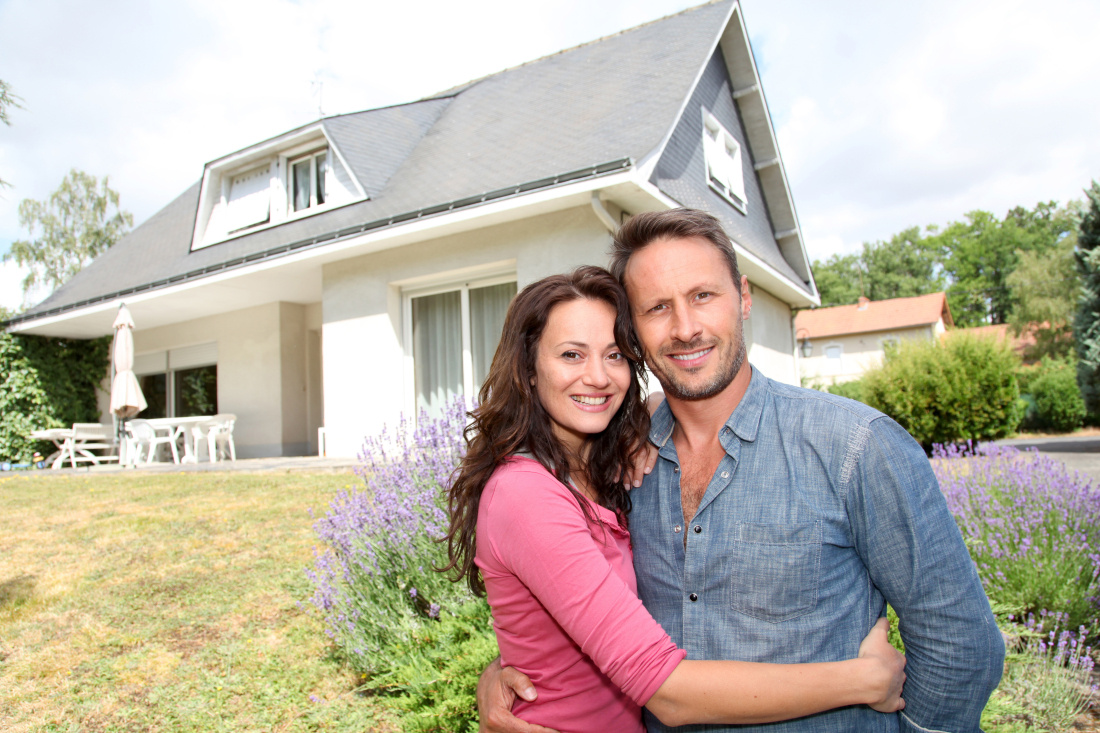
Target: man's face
687, 313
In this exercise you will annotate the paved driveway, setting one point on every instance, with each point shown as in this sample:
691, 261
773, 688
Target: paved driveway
1078, 453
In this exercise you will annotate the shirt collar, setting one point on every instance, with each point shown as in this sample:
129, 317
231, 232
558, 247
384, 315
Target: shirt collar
744, 422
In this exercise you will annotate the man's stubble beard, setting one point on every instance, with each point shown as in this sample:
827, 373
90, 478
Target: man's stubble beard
728, 369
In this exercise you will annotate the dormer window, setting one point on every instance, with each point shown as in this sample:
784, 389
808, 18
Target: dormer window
249, 200
725, 171
291, 177
309, 175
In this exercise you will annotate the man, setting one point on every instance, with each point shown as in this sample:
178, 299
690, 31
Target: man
779, 521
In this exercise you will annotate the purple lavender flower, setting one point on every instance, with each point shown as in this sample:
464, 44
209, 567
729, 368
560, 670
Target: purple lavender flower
1033, 529
375, 582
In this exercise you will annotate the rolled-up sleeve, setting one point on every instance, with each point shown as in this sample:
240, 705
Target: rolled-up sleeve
916, 557
537, 532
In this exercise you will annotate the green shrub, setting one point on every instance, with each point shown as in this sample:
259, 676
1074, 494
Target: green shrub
1053, 396
434, 679
960, 388
852, 390
46, 383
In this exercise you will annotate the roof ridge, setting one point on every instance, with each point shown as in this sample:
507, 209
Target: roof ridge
456, 89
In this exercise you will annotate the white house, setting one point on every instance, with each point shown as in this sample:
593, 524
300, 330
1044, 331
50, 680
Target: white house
840, 343
359, 267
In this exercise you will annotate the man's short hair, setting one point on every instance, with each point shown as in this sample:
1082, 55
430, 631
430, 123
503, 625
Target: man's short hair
642, 230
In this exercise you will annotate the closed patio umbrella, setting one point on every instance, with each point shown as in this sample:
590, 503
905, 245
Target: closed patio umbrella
126, 397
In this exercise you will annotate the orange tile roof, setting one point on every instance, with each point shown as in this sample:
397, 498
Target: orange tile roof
873, 315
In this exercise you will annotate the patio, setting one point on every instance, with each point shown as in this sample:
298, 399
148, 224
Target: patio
281, 464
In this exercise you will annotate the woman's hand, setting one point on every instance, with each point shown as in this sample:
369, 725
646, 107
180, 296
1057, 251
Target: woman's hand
645, 458
889, 675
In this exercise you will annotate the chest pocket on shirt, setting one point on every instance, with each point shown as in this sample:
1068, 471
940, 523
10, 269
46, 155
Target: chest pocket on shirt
775, 569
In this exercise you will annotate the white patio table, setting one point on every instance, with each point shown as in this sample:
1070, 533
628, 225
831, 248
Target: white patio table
58, 436
76, 444
191, 428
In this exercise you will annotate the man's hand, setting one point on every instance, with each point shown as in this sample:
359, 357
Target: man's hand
877, 647
497, 689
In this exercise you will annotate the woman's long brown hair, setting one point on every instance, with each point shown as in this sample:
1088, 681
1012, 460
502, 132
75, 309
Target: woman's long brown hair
510, 418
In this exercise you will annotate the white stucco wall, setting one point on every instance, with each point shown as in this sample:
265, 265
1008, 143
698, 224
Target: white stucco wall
261, 372
859, 353
367, 380
768, 332
367, 377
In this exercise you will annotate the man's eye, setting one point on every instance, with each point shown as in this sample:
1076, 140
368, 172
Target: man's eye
703, 296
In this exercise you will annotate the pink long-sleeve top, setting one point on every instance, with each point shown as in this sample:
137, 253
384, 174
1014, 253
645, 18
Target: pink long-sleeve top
565, 604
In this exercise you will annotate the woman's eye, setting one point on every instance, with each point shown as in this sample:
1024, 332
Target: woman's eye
616, 356
571, 355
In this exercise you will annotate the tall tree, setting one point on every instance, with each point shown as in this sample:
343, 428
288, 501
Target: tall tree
1046, 288
838, 279
979, 253
900, 267
69, 229
1086, 327
7, 101
903, 266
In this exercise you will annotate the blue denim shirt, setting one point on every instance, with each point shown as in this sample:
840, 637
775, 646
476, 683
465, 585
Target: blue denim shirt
821, 511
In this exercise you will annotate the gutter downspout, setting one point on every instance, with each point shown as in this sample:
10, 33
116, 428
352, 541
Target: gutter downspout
603, 214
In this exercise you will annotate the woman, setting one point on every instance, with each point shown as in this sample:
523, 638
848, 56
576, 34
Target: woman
538, 523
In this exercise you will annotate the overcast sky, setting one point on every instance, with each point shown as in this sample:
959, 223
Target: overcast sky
888, 114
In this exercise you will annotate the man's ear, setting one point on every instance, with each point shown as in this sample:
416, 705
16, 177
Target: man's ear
746, 298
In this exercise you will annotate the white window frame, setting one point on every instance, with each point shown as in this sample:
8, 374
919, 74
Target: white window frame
724, 161
314, 206
434, 285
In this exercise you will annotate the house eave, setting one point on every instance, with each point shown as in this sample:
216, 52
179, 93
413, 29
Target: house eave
243, 281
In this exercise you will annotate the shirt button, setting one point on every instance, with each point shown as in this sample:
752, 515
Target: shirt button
676, 469
697, 529
677, 529
693, 597
725, 474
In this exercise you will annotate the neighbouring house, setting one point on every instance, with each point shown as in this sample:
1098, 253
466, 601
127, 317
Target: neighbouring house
322, 283
840, 343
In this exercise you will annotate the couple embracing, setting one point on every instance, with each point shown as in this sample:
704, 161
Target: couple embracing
745, 580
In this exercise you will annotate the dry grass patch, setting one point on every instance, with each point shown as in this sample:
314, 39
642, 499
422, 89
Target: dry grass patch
167, 603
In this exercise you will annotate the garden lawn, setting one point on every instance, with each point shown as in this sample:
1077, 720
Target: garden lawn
134, 602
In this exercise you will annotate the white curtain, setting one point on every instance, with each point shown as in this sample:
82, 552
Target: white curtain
488, 306
437, 349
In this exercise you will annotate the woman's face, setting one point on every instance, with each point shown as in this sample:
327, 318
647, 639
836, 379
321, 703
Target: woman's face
580, 375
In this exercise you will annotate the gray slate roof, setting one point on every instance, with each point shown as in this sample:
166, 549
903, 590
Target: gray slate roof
604, 101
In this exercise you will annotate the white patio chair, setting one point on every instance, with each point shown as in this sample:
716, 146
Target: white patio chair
220, 436
144, 435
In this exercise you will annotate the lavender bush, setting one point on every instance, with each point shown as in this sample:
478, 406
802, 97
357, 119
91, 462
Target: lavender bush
1032, 529
1047, 683
376, 584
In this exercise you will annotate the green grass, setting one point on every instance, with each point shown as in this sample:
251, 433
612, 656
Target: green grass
167, 603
